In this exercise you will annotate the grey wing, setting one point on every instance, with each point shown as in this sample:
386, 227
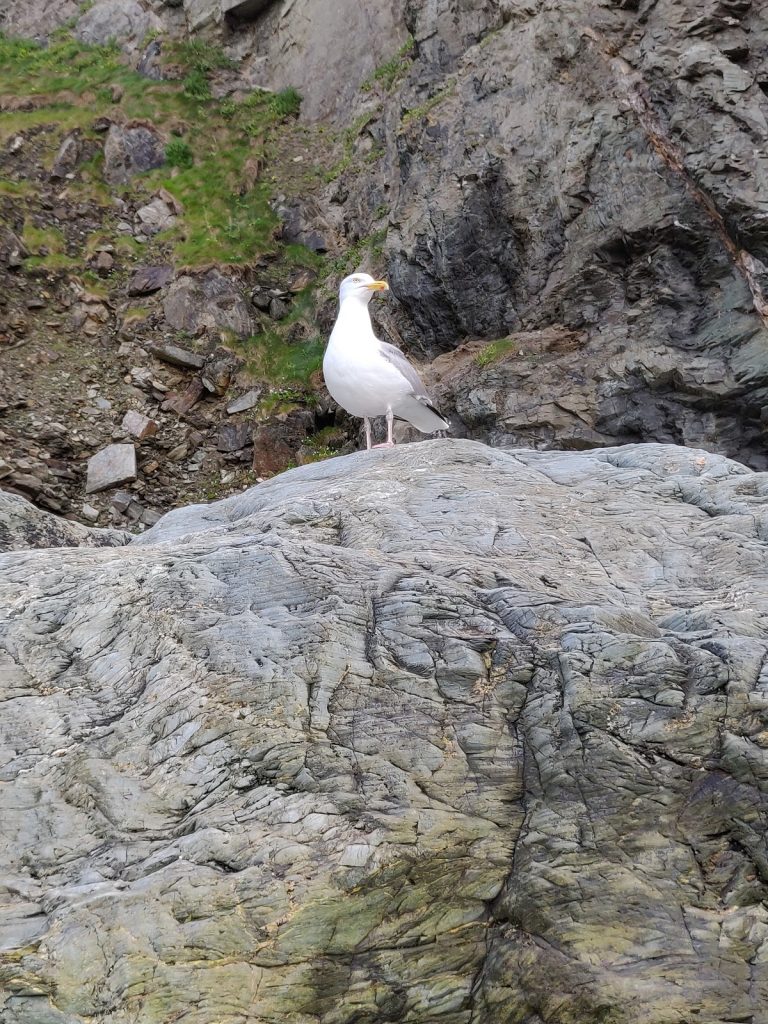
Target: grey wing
396, 357
419, 392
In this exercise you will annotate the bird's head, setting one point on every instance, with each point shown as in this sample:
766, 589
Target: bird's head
361, 286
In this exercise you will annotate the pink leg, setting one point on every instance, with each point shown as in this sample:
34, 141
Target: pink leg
389, 443
367, 423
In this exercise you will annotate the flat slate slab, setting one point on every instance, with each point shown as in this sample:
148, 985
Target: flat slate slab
111, 467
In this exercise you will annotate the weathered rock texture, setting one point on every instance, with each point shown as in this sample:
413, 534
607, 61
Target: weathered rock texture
24, 526
439, 734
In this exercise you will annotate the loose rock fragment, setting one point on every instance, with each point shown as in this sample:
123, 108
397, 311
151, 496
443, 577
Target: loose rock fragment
146, 280
177, 356
138, 424
112, 466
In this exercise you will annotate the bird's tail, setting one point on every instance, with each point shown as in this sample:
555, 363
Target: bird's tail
420, 415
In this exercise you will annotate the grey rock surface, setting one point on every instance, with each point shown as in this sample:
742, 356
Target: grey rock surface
146, 280
22, 526
211, 301
110, 467
131, 150
437, 734
36, 19
125, 21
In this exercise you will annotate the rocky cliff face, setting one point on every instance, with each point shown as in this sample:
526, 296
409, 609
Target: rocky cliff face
592, 170
437, 734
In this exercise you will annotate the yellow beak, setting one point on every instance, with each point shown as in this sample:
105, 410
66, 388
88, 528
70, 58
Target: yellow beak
378, 286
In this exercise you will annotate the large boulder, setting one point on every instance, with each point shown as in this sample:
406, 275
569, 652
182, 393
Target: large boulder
36, 18
125, 21
437, 734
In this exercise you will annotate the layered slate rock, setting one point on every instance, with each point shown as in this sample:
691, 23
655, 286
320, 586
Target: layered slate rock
437, 734
586, 168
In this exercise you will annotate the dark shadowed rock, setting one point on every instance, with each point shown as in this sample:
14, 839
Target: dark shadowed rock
439, 734
233, 437
131, 150
303, 224
276, 441
243, 10
146, 280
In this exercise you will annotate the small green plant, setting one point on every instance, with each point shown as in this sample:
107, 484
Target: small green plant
228, 109
285, 103
348, 145
416, 113
178, 153
493, 352
196, 86
198, 55
389, 72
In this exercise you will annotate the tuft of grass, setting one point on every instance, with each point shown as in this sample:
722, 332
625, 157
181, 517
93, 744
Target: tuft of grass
285, 103
178, 154
198, 55
196, 86
416, 113
14, 188
494, 351
65, 65
389, 72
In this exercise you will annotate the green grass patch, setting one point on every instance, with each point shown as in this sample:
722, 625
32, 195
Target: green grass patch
199, 55
65, 65
36, 238
227, 217
387, 74
271, 357
179, 154
285, 103
16, 189
495, 351
196, 86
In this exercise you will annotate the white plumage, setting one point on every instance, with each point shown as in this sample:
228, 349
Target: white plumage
368, 377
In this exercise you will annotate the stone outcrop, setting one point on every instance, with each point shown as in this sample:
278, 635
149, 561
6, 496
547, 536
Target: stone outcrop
22, 526
591, 170
438, 734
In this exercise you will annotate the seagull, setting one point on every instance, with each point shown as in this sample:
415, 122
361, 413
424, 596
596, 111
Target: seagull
368, 377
